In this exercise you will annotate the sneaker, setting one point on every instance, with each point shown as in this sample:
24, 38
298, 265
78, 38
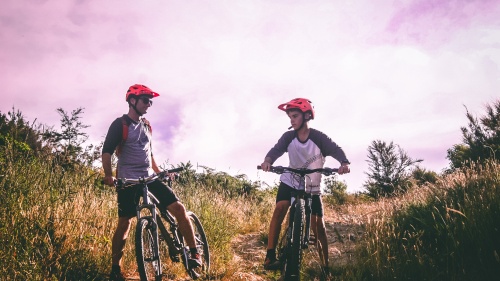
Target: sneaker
272, 264
195, 260
116, 276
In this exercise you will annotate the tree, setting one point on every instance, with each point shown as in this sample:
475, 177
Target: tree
16, 130
336, 189
422, 176
68, 144
388, 166
481, 139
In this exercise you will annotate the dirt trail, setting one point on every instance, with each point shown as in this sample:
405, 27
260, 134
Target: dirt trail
343, 230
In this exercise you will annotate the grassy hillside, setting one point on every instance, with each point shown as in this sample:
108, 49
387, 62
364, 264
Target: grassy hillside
446, 231
56, 224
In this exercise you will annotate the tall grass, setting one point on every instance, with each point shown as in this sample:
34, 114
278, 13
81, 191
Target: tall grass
48, 229
447, 231
57, 224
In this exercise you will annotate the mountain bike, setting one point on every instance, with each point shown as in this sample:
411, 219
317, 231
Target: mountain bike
297, 235
148, 240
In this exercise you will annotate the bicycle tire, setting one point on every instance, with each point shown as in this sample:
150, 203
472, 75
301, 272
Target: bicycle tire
282, 250
294, 260
146, 248
201, 245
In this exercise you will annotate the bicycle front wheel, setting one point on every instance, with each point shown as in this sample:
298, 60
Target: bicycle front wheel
294, 260
202, 246
146, 248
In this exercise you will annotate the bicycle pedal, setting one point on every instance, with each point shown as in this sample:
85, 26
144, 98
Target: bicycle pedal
175, 258
312, 240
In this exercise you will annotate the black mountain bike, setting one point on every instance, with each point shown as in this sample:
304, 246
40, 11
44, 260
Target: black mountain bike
296, 237
148, 240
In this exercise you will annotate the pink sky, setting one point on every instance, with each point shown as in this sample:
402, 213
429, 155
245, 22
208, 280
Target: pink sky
398, 71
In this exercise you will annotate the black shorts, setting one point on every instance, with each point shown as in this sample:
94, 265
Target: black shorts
285, 193
128, 198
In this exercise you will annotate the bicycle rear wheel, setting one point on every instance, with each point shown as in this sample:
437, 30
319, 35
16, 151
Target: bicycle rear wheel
146, 248
294, 260
202, 247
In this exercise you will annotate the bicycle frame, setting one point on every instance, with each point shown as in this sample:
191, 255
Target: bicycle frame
173, 237
301, 194
299, 224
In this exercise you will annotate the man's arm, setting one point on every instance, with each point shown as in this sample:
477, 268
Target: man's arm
154, 166
108, 171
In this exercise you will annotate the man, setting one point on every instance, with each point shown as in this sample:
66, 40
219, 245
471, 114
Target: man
135, 160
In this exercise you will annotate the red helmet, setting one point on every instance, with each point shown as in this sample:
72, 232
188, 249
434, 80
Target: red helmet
303, 105
137, 90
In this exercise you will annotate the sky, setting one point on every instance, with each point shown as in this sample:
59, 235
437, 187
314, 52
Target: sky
397, 71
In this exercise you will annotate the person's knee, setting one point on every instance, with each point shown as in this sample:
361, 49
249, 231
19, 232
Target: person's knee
177, 209
123, 226
281, 208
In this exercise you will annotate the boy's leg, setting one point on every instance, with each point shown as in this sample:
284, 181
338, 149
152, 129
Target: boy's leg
274, 232
275, 226
319, 229
280, 210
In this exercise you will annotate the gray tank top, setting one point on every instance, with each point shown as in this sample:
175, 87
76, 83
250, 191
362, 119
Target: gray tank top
135, 158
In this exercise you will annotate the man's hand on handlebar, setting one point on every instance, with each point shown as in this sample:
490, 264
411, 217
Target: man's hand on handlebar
109, 180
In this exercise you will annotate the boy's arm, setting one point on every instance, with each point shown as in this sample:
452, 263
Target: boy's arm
266, 165
278, 149
344, 168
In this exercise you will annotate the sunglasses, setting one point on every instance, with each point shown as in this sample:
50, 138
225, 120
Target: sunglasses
146, 100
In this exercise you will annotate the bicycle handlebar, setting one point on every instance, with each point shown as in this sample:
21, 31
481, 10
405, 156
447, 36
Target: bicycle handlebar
302, 172
121, 182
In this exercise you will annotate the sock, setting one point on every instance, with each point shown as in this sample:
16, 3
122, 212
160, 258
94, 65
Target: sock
193, 251
271, 253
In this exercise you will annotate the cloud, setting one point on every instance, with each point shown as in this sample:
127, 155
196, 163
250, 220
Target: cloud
397, 72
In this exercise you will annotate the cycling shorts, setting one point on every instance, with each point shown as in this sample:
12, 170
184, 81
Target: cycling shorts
285, 193
128, 198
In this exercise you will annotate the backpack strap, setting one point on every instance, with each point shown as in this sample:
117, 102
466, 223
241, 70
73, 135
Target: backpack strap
148, 125
125, 125
124, 135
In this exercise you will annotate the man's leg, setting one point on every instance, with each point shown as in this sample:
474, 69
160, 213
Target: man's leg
117, 245
178, 210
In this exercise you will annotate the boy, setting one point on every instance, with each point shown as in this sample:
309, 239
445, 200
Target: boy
307, 148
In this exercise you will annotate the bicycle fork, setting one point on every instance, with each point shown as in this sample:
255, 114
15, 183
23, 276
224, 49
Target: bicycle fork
150, 206
308, 201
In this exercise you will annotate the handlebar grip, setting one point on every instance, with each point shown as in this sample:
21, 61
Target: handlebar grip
175, 170
259, 167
